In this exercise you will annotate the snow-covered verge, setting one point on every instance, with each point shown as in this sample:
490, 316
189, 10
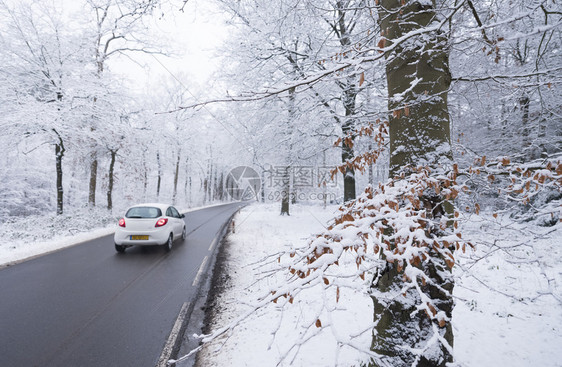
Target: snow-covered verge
27, 237
267, 337
508, 297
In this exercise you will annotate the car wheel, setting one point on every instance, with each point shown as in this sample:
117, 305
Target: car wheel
184, 233
169, 243
120, 248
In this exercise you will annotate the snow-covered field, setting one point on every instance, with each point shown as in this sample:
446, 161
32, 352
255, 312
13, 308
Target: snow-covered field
508, 308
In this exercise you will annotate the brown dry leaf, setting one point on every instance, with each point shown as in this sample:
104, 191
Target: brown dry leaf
337, 294
361, 78
432, 309
381, 44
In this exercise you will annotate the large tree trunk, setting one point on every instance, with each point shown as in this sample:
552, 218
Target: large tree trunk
93, 180
110, 185
286, 190
347, 154
418, 80
349, 96
220, 187
176, 176
401, 326
159, 180
59, 154
524, 103
187, 183
144, 176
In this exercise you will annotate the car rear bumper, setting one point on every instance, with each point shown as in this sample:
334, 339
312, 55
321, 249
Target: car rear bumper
124, 237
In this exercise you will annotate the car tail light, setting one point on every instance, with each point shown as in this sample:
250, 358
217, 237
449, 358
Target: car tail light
161, 222
122, 222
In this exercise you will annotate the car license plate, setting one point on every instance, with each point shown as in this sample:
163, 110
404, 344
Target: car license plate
134, 238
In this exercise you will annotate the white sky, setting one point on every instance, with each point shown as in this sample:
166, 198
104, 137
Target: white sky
194, 36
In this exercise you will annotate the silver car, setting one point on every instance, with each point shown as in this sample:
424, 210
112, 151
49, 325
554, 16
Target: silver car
150, 224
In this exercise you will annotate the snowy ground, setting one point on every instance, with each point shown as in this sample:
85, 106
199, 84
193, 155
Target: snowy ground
508, 308
509, 291
265, 339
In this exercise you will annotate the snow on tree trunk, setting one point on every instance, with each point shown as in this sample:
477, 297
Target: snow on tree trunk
59, 154
288, 153
418, 79
159, 179
93, 180
349, 96
176, 176
111, 179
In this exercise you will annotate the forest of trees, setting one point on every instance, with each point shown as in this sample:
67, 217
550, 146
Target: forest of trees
423, 99
77, 134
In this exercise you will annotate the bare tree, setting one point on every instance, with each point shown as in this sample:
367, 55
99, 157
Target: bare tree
44, 59
118, 30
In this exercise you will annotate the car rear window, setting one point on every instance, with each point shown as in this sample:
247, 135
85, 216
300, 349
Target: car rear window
143, 212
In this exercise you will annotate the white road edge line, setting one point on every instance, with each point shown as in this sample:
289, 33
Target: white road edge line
174, 335
213, 244
200, 271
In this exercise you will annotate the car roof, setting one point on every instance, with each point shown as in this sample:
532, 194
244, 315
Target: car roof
162, 207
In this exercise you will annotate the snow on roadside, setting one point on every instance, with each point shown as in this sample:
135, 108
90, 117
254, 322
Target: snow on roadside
28, 237
508, 310
261, 232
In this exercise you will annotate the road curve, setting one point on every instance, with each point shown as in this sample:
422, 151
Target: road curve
90, 306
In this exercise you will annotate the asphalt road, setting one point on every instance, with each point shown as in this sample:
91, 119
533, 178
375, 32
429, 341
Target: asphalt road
90, 306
